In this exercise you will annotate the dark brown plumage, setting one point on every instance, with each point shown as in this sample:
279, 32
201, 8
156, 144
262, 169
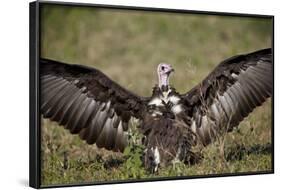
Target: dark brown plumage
88, 103
229, 93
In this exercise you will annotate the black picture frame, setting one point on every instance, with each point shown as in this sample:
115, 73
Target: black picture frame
35, 125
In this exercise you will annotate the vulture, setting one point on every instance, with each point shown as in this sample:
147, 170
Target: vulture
88, 103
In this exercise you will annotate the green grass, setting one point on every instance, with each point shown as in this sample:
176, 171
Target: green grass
128, 46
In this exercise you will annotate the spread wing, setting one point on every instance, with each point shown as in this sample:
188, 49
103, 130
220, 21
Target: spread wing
229, 93
86, 101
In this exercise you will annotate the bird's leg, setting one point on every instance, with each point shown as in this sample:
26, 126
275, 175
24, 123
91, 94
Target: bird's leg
175, 161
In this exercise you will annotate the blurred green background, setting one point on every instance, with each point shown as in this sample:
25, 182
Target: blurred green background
128, 46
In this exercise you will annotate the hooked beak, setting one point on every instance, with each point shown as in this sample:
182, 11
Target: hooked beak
171, 71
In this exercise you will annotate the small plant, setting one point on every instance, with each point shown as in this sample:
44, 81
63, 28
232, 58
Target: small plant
133, 153
133, 164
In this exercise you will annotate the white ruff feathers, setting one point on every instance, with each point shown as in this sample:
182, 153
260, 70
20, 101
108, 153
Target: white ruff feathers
156, 102
177, 109
174, 99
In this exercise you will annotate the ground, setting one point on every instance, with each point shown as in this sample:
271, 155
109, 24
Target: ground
128, 46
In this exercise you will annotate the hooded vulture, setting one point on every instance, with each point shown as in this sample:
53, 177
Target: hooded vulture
87, 102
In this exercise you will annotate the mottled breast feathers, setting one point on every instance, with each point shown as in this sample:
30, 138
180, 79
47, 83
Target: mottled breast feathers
165, 102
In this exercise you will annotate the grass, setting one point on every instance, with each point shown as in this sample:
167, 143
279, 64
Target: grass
128, 46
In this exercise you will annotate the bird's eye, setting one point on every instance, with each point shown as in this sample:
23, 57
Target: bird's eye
162, 68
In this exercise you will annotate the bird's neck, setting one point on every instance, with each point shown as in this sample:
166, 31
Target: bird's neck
163, 81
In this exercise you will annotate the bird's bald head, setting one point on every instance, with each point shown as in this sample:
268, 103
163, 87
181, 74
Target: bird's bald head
164, 69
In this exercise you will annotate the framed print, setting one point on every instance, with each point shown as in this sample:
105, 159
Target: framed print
129, 94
